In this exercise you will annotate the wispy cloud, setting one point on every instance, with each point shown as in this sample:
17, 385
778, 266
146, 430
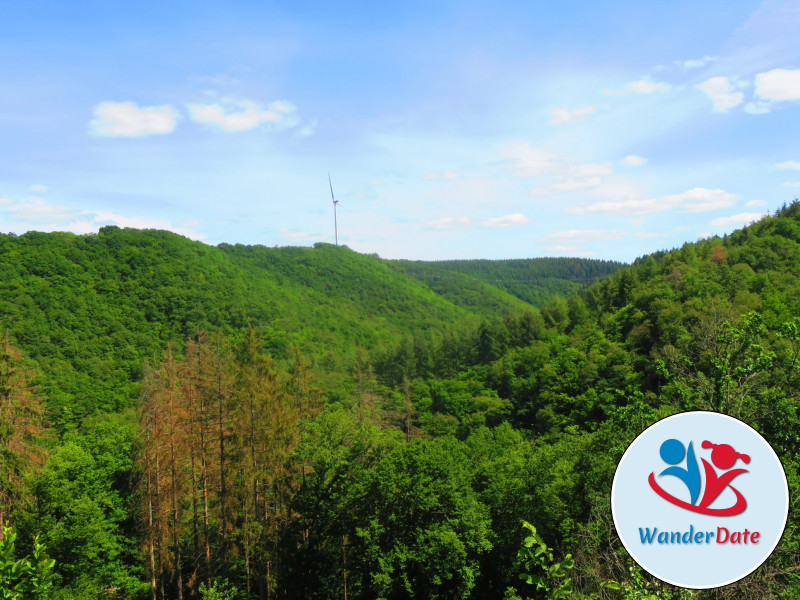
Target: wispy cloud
793, 165
567, 184
696, 63
233, 114
298, 236
753, 203
34, 213
308, 129
128, 119
633, 161
583, 236
559, 174
448, 175
561, 115
647, 86
695, 200
722, 93
744, 218
514, 220
450, 223
111, 218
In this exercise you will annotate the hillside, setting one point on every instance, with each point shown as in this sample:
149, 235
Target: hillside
533, 280
91, 310
435, 423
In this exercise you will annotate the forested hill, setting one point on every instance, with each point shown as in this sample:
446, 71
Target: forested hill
90, 310
399, 460
534, 280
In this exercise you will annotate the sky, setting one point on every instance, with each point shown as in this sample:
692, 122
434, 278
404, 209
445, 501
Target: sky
449, 129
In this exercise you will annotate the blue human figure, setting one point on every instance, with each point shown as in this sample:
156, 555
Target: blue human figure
672, 452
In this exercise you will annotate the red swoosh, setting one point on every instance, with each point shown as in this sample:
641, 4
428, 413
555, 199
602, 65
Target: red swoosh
737, 508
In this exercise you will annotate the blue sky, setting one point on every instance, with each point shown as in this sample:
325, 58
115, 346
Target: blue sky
450, 129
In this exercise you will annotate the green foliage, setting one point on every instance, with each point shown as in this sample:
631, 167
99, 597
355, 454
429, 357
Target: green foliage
90, 310
535, 281
82, 506
219, 590
27, 578
453, 410
550, 575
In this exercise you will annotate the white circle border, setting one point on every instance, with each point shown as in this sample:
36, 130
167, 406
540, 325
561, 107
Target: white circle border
785, 489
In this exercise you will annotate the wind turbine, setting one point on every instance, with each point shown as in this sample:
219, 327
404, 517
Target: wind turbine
335, 204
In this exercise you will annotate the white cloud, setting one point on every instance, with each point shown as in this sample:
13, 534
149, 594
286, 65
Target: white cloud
127, 119
648, 234
38, 188
220, 80
647, 86
583, 236
308, 129
561, 174
33, 213
752, 203
572, 178
740, 219
682, 228
535, 162
778, 85
109, 218
561, 116
449, 175
633, 161
696, 63
792, 184
561, 248
591, 169
514, 220
793, 165
758, 108
567, 185
720, 91
36, 210
450, 223
694, 200
232, 114
530, 161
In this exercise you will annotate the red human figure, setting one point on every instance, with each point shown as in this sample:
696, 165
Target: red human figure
724, 457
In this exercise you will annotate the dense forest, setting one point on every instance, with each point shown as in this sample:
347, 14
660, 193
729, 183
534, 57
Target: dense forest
184, 421
534, 280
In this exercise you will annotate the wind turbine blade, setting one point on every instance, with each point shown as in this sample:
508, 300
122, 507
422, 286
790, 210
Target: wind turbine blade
331, 184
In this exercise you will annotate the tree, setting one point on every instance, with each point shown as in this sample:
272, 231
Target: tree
21, 423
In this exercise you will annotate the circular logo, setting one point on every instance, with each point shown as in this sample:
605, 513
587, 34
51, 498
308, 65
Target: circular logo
700, 500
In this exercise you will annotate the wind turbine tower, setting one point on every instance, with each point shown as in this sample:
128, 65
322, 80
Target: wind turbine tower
335, 204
